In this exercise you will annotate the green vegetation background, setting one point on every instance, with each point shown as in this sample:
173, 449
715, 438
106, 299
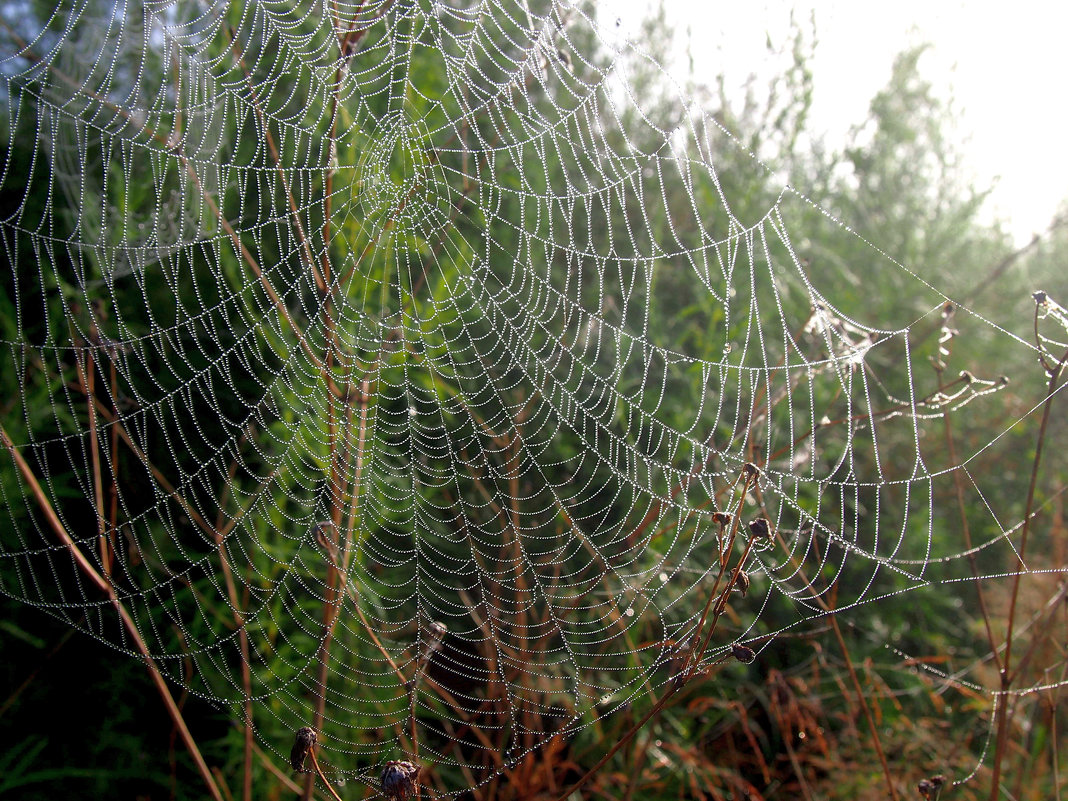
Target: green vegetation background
79, 719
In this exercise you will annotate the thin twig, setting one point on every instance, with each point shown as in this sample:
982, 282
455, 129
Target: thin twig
1007, 675
865, 706
105, 586
322, 776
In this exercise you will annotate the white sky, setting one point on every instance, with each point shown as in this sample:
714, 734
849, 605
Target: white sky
1004, 64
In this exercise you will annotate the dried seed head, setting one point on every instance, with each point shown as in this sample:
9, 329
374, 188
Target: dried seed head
302, 746
760, 529
721, 519
743, 653
1040, 297
398, 779
741, 584
931, 788
751, 470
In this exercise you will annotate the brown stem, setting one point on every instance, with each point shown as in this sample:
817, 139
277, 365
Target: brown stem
239, 624
330, 610
322, 776
958, 483
113, 490
864, 704
87, 375
1007, 676
105, 586
697, 649
173, 146
669, 693
272, 148
268, 763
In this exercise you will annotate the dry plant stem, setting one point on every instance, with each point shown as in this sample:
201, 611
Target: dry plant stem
1007, 675
172, 492
864, 704
669, 693
226, 790
330, 610
114, 488
845, 653
105, 586
1001, 267
806, 792
695, 653
337, 585
832, 615
322, 776
958, 483
1054, 747
172, 146
694, 657
334, 593
239, 624
309, 260
218, 533
87, 375
637, 758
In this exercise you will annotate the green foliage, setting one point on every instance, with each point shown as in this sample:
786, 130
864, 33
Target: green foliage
242, 382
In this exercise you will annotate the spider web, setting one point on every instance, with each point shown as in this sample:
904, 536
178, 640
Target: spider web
421, 351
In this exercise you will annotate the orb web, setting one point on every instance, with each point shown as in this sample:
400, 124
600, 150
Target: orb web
390, 363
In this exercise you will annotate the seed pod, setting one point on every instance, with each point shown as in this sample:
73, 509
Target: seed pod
931, 788
1039, 296
398, 779
721, 519
751, 470
760, 529
302, 746
743, 653
741, 584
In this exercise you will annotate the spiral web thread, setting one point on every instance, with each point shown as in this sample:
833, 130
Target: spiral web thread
401, 428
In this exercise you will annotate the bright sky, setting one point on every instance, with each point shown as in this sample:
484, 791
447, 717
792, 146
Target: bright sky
1004, 64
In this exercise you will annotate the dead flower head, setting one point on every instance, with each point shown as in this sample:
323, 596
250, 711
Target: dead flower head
398, 779
743, 653
741, 584
931, 788
760, 529
302, 746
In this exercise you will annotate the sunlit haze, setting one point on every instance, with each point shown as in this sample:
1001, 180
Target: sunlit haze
1002, 65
